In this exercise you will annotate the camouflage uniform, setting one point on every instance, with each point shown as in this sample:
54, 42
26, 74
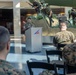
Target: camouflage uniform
69, 55
46, 72
63, 37
7, 69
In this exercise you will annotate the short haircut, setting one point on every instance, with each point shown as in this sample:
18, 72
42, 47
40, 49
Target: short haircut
4, 37
64, 22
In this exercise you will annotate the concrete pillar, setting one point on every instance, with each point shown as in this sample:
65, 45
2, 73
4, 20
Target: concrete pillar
66, 10
17, 27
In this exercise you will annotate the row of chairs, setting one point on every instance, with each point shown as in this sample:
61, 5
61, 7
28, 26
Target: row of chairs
41, 65
53, 52
47, 65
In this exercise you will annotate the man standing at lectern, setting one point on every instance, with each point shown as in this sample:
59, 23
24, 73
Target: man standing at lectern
28, 24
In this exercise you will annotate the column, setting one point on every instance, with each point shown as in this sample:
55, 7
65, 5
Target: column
17, 27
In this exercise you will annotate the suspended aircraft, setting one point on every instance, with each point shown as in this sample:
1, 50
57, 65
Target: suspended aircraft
66, 3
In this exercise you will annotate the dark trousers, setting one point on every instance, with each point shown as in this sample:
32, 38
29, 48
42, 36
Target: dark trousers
51, 20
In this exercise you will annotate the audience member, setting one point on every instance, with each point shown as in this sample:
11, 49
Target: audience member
5, 67
69, 55
63, 37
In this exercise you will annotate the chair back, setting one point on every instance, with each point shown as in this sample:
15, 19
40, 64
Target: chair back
64, 67
41, 65
53, 52
61, 46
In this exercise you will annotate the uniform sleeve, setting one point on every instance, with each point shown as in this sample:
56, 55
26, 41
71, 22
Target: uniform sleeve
6, 71
72, 37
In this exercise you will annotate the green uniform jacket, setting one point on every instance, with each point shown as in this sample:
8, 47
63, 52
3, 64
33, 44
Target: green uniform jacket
63, 37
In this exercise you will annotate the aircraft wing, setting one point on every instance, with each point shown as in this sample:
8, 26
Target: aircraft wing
70, 3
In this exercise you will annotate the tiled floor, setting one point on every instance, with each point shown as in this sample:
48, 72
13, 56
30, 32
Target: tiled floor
19, 60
